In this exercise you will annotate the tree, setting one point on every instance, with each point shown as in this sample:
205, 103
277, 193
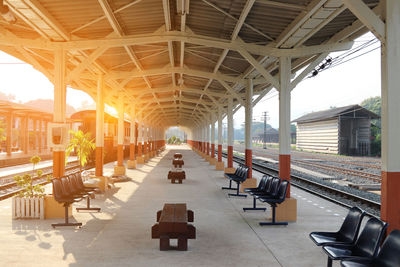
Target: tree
83, 145
374, 104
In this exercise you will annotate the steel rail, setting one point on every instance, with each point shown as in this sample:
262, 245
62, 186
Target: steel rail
39, 181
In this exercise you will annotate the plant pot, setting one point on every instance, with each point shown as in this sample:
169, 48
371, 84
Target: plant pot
28, 207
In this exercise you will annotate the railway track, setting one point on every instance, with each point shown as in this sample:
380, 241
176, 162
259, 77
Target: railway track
366, 175
11, 188
332, 194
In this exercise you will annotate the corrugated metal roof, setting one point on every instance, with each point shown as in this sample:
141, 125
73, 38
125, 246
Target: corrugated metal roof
335, 113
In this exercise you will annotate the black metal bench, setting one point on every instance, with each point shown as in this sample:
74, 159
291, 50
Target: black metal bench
238, 177
347, 233
79, 188
388, 255
366, 245
273, 200
69, 189
263, 186
63, 196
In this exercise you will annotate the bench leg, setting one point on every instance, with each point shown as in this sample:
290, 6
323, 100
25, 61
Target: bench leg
230, 186
66, 222
182, 243
273, 219
164, 242
88, 206
180, 181
329, 263
237, 192
254, 206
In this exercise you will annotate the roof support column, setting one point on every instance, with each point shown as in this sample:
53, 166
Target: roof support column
208, 138
145, 142
390, 198
60, 92
220, 164
212, 161
248, 121
230, 168
139, 158
132, 143
120, 168
284, 119
9, 133
100, 125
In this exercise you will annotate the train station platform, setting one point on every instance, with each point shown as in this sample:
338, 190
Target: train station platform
19, 157
120, 235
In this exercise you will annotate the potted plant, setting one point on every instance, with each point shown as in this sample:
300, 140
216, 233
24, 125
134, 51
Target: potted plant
82, 144
28, 202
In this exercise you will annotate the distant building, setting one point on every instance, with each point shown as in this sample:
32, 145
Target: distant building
345, 131
272, 136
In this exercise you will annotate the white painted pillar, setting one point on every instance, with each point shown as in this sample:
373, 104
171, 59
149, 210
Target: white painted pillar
248, 125
212, 136
121, 131
390, 64
284, 119
208, 137
60, 92
99, 125
230, 132
220, 141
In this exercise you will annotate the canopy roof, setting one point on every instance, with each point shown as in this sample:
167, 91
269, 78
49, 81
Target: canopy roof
174, 62
7, 107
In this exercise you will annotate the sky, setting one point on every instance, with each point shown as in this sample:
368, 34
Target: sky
346, 84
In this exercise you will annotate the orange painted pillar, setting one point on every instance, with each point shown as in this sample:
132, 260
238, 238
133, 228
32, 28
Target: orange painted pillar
208, 148
120, 155
99, 161
9, 133
230, 156
58, 163
249, 162
139, 154
219, 153
212, 150
132, 151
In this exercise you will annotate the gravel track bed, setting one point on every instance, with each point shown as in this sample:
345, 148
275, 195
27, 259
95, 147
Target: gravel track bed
354, 191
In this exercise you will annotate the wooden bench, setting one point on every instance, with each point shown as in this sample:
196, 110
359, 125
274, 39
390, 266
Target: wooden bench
173, 223
178, 156
178, 163
179, 175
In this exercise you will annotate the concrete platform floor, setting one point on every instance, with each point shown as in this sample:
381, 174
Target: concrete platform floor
121, 234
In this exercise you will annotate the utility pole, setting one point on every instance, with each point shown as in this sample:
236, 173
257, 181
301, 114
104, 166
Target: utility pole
265, 117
